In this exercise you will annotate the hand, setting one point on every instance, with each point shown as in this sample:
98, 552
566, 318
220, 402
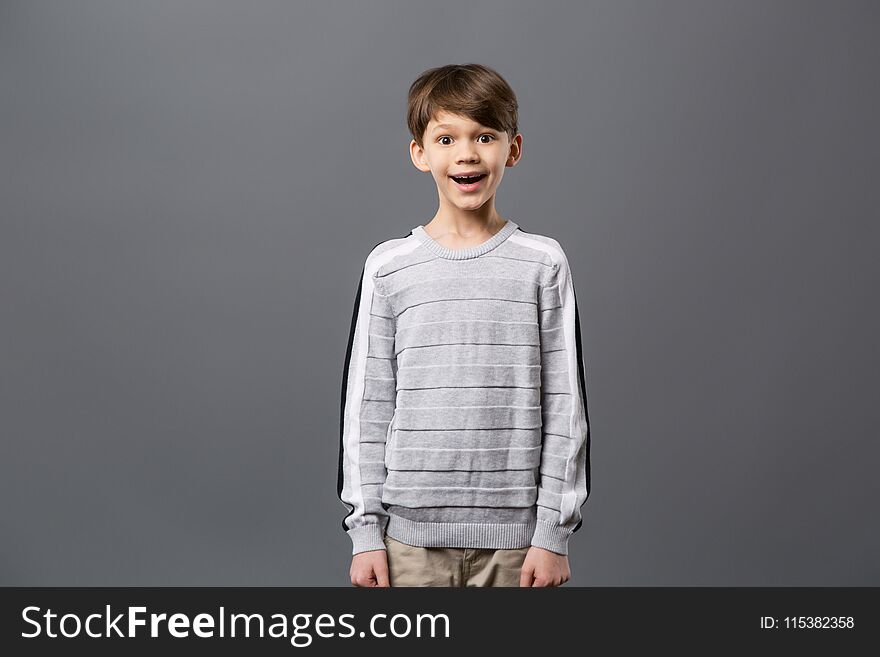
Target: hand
370, 568
544, 568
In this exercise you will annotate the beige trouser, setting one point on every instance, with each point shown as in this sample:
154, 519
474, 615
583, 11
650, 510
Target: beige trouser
409, 565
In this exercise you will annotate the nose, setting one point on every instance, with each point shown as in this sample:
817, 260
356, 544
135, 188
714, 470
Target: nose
467, 154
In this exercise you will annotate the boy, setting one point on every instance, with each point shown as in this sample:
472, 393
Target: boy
464, 438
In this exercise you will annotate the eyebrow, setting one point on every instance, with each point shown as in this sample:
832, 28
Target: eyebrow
448, 126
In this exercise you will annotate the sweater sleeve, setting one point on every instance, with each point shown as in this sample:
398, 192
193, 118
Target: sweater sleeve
368, 399
564, 483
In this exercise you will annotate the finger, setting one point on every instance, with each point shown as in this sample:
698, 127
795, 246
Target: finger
382, 575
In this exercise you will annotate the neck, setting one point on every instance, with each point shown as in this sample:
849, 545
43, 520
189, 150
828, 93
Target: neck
466, 223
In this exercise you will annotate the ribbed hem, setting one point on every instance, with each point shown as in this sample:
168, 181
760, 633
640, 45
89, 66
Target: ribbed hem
471, 252
460, 534
367, 537
551, 537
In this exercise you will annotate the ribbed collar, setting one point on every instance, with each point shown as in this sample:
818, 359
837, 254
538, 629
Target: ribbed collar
471, 252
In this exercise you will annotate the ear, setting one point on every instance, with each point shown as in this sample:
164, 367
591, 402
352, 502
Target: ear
417, 155
515, 150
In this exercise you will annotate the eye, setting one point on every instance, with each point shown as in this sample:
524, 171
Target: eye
485, 134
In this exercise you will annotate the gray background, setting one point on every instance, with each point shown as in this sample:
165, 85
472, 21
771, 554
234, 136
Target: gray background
189, 190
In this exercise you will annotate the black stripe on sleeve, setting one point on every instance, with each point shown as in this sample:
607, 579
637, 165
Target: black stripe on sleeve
583, 392
354, 314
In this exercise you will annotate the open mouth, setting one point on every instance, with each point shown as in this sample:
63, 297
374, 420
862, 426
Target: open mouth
468, 180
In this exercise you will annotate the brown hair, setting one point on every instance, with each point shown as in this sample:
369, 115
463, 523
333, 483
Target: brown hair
472, 90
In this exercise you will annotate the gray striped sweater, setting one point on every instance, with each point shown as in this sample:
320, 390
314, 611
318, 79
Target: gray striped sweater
464, 413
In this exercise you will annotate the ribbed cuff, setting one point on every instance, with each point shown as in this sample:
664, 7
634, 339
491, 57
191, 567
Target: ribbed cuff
551, 537
367, 537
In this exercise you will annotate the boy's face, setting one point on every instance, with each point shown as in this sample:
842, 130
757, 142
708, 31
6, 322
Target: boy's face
454, 145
